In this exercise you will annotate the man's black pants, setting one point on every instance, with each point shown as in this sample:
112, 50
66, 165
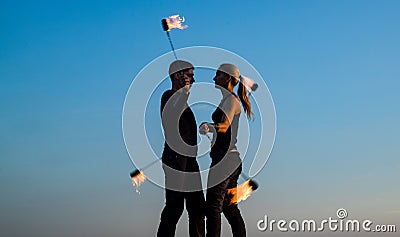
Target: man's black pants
175, 200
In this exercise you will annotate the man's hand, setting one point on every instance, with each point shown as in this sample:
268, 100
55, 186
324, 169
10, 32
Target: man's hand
186, 89
186, 81
204, 129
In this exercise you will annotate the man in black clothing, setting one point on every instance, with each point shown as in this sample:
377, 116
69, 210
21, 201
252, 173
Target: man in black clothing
182, 176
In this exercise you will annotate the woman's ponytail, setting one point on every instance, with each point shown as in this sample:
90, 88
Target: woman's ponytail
245, 99
233, 71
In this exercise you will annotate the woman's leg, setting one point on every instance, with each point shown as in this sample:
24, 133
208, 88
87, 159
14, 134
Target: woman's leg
231, 211
214, 202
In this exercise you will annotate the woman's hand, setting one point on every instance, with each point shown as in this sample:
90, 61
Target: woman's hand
204, 128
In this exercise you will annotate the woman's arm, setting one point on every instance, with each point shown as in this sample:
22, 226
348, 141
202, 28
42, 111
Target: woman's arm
230, 107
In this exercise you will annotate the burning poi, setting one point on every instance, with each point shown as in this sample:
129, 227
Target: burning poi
138, 177
243, 191
170, 23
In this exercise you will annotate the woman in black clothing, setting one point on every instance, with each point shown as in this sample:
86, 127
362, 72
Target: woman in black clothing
226, 164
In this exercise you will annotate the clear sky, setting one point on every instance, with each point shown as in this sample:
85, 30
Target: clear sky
332, 68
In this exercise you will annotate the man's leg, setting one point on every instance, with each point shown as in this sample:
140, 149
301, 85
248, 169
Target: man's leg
195, 202
174, 202
171, 213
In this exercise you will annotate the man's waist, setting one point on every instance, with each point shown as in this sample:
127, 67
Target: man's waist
168, 152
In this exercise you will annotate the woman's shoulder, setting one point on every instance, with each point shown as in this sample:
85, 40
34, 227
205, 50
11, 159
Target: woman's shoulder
233, 98
232, 102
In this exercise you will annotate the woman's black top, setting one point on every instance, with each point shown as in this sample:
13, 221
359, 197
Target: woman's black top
224, 142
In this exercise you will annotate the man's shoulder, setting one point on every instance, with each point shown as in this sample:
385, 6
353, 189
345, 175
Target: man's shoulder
167, 94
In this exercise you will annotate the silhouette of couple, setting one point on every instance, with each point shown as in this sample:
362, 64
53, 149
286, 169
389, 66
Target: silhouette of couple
182, 174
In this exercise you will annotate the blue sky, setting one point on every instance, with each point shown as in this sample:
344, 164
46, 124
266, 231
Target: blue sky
66, 66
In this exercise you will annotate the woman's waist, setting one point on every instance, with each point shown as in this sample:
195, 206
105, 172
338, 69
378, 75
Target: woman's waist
219, 152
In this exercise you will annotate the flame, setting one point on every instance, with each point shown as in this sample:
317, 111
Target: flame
138, 179
175, 22
241, 192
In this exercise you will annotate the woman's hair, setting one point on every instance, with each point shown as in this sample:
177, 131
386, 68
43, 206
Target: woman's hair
242, 91
243, 94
